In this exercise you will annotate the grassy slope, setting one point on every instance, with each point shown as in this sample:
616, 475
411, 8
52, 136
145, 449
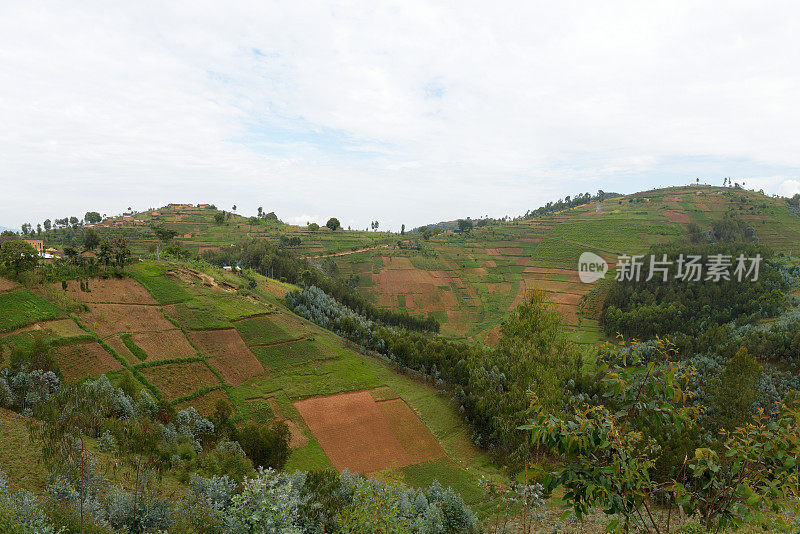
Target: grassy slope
317, 363
470, 282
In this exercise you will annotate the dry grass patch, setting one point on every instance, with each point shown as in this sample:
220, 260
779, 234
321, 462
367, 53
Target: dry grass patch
176, 380
110, 290
229, 354
164, 345
108, 319
353, 432
80, 360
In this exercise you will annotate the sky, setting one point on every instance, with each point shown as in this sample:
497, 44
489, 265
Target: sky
403, 112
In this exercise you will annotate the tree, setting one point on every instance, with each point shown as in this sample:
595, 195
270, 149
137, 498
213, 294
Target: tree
121, 252
18, 256
92, 217
70, 252
26, 229
313, 227
464, 225
90, 239
333, 223
73, 221
402, 229
260, 212
219, 217
47, 225
234, 208
165, 235
38, 229
266, 446
105, 253
733, 392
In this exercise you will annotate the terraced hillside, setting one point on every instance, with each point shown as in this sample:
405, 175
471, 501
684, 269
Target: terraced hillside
192, 335
198, 230
469, 282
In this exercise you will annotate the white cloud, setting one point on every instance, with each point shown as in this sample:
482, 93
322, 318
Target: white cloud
403, 112
789, 188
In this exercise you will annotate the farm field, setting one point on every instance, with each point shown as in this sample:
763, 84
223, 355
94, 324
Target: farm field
193, 340
470, 282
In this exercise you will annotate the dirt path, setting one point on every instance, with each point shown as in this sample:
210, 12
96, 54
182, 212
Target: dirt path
345, 252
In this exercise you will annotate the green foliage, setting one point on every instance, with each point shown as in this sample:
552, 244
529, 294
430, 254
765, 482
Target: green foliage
333, 223
732, 393
609, 458
18, 256
646, 309
266, 446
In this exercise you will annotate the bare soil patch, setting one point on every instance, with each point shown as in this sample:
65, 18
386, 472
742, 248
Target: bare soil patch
178, 379
164, 345
229, 354
84, 359
677, 217
493, 336
110, 290
107, 319
353, 432
7, 285
412, 433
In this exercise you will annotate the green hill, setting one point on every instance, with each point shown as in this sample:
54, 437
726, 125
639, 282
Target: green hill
470, 281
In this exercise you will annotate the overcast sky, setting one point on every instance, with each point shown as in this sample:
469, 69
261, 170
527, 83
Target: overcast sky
408, 112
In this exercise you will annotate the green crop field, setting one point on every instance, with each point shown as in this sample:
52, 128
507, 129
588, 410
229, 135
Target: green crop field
22, 307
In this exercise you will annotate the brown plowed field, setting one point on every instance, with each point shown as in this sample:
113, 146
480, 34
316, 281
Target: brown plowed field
229, 354
353, 432
164, 345
110, 290
107, 319
84, 359
414, 436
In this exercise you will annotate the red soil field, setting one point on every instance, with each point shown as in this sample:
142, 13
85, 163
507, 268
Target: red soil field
111, 290
84, 359
353, 432
229, 354
107, 319
414, 436
164, 345
179, 379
